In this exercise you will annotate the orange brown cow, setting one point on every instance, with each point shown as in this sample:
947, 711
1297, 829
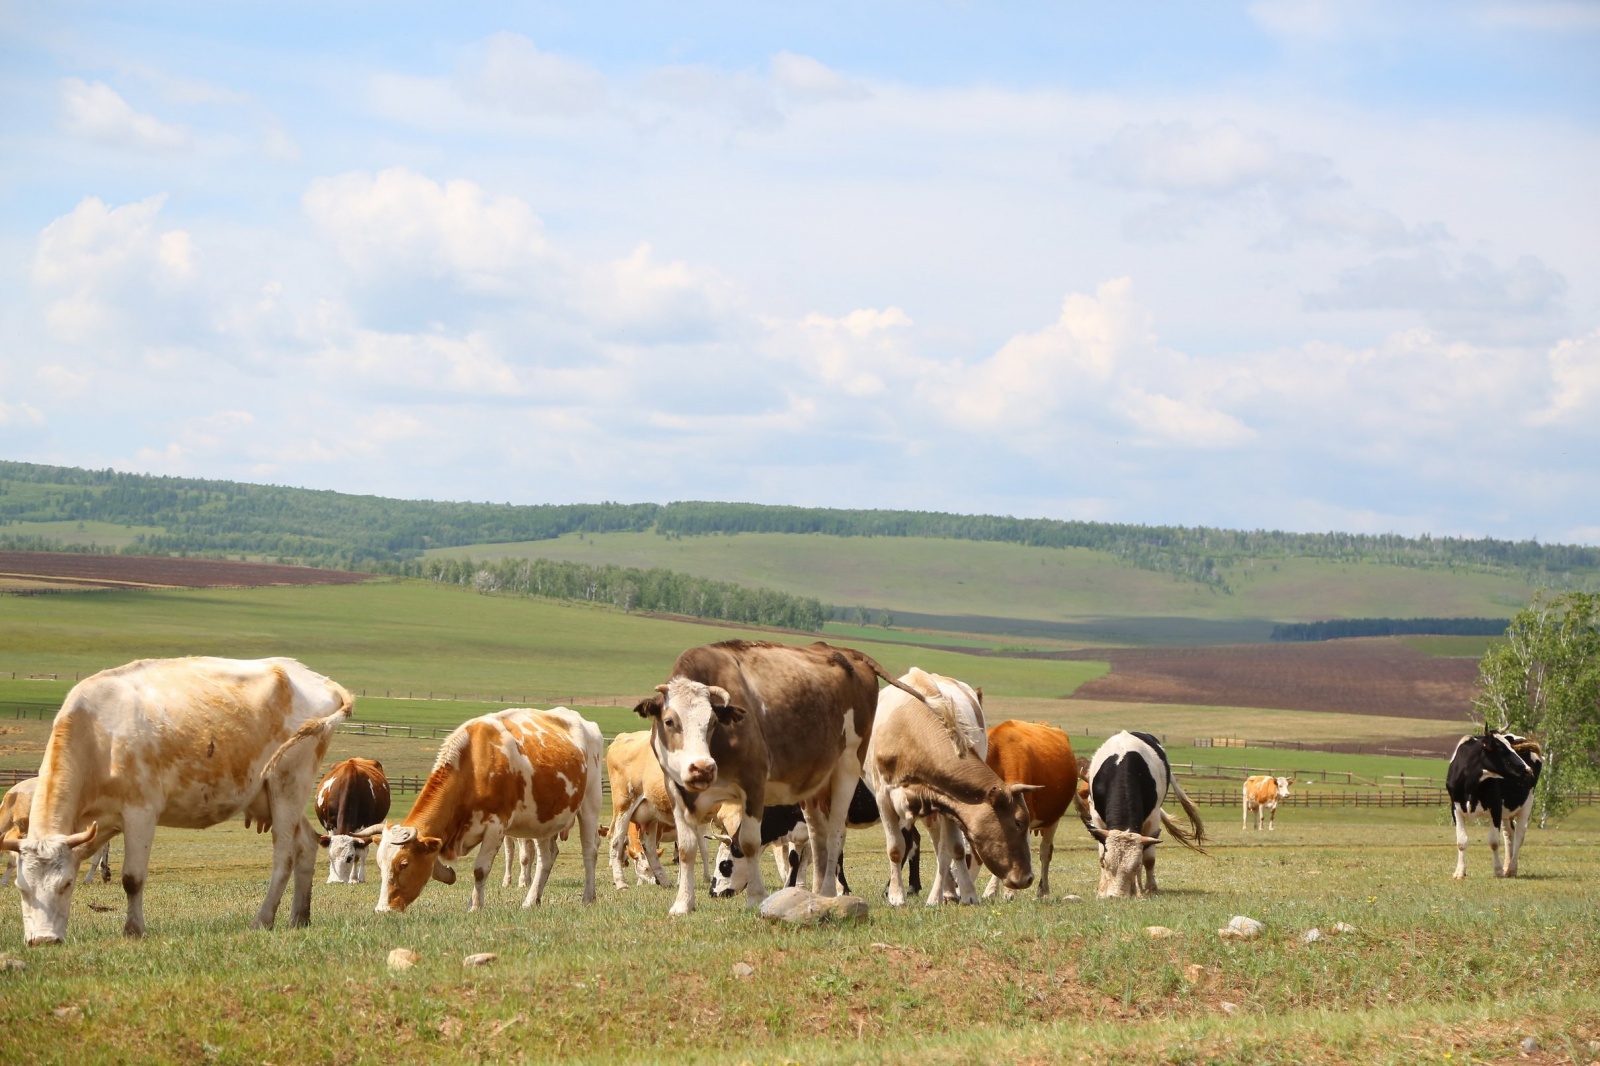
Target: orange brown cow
1032, 753
1261, 794
520, 772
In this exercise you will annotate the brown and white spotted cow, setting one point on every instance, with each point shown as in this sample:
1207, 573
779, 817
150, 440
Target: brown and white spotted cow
185, 743
753, 723
355, 793
1261, 794
925, 759
519, 772
1032, 753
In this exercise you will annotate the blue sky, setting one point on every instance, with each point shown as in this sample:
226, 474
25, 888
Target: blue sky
1285, 264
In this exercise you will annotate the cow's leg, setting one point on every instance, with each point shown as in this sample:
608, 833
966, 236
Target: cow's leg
483, 862
652, 855
509, 845
286, 818
617, 843
1272, 818
1514, 835
361, 865
755, 888
826, 875
894, 845
1150, 869
689, 849
943, 849
914, 855
1459, 816
138, 834
1245, 825
305, 872
1494, 841
1047, 851
961, 872
546, 852
589, 834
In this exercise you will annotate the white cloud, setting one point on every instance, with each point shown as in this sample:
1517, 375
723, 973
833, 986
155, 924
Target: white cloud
512, 73
855, 352
1575, 374
1221, 159
1466, 293
95, 111
398, 219
429, 365
804, 78
19, 415
639, 298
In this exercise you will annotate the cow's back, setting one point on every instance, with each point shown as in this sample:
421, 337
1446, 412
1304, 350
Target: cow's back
553, 756
1031, 753
188, 737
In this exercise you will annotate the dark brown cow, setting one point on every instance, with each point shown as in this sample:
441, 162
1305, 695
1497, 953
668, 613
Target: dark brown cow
354, 794
753, 723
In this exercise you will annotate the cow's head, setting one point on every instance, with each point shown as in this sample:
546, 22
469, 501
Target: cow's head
346, 853
1121, 855
684, 713
998, 830
406, 861
1283, 784
47, 869
1504, 760
728, 874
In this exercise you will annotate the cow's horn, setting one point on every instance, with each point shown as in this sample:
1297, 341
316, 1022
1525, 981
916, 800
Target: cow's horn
77, 840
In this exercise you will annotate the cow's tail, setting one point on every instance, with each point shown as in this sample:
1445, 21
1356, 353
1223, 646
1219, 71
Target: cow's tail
1195, 836
315, 729
894, 682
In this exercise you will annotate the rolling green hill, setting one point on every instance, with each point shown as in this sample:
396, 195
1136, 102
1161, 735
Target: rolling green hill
1078, 587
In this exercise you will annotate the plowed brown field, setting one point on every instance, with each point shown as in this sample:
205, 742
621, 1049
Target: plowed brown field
28, 572
1364, 676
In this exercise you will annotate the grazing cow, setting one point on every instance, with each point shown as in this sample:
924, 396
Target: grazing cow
519, 772
781, 823
1129, 778
355, 793
791, 852
1033, 753
752, 723
14, 809
639, 799
1493, 773
922, 760
1261, 794
177, 742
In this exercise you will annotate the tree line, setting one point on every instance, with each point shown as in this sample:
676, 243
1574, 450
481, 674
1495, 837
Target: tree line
322, 528
1339, 628
655, 590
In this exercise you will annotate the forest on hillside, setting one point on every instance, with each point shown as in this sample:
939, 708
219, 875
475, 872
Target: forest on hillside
195, 516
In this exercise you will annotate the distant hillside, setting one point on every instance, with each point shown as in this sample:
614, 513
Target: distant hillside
41, 507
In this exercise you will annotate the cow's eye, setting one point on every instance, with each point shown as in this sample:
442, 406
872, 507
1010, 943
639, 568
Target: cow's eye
670, 723
65, 888
402, 864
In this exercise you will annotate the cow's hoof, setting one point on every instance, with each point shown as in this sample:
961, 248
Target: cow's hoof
1458, 877
680, 909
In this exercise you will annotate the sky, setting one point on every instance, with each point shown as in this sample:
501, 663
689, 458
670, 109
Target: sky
1286, 264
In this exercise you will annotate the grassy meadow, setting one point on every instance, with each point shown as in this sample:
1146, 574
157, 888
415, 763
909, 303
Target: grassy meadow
1437, 971
954, 577
414, 637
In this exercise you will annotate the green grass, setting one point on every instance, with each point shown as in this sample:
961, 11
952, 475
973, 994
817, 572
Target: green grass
1428, 973
412, 636
950, 577
96, 534
1453, 647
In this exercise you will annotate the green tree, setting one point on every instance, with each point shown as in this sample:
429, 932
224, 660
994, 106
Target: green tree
1543, 681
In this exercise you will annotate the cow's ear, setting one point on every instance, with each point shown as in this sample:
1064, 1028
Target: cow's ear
718, 696
979, 691
728, 714
324, 839
442, 873
650, 708
361, 845
378, 763
430, 843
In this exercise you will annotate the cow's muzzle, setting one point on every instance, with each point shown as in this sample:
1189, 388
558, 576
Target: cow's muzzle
1017, 882
700, 776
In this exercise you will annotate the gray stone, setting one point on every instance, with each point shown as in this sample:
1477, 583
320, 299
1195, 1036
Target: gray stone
799, 906
482, 958
1529, 1045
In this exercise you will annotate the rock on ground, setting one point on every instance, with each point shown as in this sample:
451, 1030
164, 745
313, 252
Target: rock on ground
403, 959
800, 906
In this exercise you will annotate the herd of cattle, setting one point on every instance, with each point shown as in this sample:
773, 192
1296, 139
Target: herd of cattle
756, 744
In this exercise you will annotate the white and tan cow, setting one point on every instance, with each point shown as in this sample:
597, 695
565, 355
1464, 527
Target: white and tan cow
753, 723
642, 804
519, 772
1261, 794
185, 743
926, 759
14, 808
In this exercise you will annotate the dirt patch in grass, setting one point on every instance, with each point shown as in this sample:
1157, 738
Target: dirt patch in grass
1378, 676
29, 572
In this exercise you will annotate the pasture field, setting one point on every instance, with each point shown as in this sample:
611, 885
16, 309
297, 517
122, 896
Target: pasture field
954, 577
418, 637
95, 534
1437, 971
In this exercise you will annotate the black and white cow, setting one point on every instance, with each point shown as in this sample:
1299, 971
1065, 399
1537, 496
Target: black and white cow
1129, 778
783, 825
1493, 773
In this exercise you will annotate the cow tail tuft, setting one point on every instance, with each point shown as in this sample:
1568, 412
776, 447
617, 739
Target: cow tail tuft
1195, 837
